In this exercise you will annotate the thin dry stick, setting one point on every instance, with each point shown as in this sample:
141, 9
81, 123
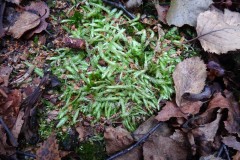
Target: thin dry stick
140, 141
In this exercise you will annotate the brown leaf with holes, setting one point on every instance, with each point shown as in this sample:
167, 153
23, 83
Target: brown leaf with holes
25, 22
232, 142
117, 139
42, 9
189, 77
48, 150
222, 30
161, 148
168, 111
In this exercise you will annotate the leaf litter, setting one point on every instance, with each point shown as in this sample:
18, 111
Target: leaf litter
198, 122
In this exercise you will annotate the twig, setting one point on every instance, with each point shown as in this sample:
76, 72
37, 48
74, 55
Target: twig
10, 135
27, 74
220, 151
140, 141
119, 5
226, 151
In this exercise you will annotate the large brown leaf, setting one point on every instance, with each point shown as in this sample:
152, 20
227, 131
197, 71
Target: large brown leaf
189, 77
186, 11
222, 31
25, 22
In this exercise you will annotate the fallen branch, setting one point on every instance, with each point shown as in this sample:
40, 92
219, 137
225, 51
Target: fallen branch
140, 141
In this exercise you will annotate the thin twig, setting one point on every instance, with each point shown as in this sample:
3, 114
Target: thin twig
10, 135
226, 151
26, 154
140, 141
25, 76
119, 5
220, 151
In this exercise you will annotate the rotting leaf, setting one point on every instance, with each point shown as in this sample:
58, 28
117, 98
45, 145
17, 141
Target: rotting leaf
25, 22
48, 150
186, 12
162, 12
117, 139
189, 77
221, 31
42, 9
191, 107
159, 147
169, 110
232, 142
18, 124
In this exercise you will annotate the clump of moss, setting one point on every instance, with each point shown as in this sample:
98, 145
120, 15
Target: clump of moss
120, 78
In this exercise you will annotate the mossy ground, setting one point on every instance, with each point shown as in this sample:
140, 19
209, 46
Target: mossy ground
123, 74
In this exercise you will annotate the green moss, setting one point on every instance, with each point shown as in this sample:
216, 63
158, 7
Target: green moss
119, 78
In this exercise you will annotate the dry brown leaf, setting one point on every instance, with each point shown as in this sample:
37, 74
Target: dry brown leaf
81, 131
189, 76
168, 111
161, 148
25, 22
191, 107
42, 9
222, 31
18, 125
218, 101
5, 149
48, 150
5, 72
186, 12
117, 139
162, 130
232, 142
208, 131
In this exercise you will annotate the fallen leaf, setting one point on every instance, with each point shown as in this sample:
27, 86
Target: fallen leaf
25, 22
5, 72
145, 127
5, 149
18, 125
232, 142
42, 9
161, 148
189, 77
221, 31
191, 107
210, 157
48, 150
168, 111
208, 131
81, 131
186, 12
117, 139
218, 101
